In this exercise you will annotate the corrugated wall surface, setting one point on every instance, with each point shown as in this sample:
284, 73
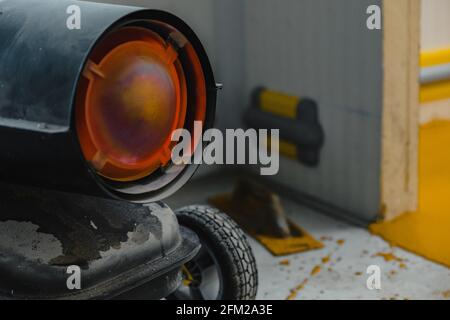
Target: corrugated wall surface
322, 49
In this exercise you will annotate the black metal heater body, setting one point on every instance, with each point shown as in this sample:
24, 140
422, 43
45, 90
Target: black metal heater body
58, 210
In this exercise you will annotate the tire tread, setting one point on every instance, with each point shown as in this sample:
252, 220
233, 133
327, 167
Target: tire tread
230, 244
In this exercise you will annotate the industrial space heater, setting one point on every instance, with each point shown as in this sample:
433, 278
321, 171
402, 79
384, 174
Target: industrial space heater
89, 111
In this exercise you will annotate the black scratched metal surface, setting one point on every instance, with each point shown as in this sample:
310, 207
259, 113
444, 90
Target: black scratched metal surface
105, 238
41, 58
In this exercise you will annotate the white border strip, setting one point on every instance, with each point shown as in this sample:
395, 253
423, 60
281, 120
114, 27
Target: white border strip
436, 110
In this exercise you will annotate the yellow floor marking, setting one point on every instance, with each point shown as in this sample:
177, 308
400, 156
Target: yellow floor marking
427, 231
301, 240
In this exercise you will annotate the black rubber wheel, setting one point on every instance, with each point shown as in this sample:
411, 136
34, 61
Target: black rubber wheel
226, 249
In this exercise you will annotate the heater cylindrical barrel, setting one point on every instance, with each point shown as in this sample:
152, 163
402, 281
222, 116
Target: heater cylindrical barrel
92, 109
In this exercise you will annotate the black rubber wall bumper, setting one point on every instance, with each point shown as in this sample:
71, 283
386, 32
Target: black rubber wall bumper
40, 64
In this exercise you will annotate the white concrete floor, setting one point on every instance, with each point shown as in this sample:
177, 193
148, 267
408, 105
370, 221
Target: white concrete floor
344, 276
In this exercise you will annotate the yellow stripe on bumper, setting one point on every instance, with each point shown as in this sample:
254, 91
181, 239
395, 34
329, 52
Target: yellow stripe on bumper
438, 90
279, 104
434, 57
435, 91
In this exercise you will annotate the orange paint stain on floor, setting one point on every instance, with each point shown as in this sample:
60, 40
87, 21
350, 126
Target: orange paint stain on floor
316, 270
285, 262
294, 292
388, 257
427, 231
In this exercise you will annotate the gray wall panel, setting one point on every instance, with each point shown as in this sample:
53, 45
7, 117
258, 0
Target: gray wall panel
322, 49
